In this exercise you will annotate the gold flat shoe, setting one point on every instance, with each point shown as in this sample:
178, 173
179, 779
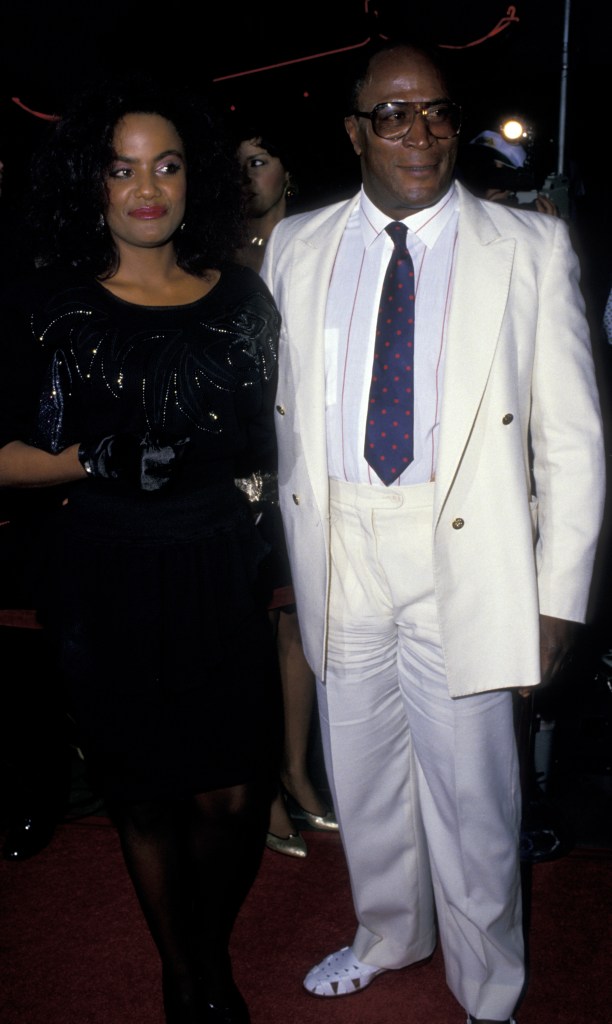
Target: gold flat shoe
292, 845
323, 822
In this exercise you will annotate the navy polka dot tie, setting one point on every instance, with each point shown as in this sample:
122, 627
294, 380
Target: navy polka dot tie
389, 438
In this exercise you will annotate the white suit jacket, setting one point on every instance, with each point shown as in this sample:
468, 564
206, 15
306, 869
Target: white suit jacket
519, 483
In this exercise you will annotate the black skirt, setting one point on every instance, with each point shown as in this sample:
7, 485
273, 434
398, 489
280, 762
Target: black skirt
164, 641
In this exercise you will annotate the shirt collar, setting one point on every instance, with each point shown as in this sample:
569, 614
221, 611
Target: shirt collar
428, 224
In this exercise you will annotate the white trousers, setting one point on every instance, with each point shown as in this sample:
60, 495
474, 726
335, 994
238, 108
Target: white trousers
426, 787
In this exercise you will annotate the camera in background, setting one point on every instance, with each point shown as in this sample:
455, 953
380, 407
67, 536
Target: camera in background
501, 168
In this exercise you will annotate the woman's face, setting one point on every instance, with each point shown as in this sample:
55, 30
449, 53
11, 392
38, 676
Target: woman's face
264, 179
146, 185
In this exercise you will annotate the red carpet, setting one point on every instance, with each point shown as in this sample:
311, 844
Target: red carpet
74, 949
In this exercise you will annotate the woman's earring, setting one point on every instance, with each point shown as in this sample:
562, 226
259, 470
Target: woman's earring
291, 189
101, 224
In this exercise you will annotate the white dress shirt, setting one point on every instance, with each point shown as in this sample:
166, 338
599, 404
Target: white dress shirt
350, 327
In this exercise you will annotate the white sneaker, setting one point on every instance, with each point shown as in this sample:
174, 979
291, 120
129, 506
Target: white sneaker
340, 974
510, 1021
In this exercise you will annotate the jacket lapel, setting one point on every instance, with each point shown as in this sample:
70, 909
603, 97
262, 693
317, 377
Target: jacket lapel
481, 283
314, 255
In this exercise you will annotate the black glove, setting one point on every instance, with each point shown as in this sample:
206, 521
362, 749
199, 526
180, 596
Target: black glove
148, 461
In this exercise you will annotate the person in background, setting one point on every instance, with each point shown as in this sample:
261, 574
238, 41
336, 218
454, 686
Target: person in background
268, 187
138, 373
492, 170
442, 501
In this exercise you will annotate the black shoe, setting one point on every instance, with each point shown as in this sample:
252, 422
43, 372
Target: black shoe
28, 836
230, 1009
544, 834
222, 1001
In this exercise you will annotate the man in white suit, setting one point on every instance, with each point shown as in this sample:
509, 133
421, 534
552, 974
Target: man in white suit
425, 601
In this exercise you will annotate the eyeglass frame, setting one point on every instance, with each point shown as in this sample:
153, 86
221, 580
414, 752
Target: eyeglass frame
418, 108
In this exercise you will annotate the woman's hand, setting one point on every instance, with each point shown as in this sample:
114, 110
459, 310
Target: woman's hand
25, 465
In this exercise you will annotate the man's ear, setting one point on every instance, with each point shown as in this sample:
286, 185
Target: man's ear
350, 123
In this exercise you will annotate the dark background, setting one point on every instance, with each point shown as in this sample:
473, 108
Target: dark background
510, 58
308, 53
49, 51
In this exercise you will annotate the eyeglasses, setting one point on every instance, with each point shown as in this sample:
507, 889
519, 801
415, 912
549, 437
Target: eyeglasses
394, 120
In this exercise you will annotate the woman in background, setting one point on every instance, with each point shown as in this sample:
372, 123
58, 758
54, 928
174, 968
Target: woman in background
139, 367
268, 187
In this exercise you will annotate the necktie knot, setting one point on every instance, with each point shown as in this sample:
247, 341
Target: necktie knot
397, 233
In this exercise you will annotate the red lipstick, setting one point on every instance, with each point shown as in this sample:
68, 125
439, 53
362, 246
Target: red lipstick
148, 212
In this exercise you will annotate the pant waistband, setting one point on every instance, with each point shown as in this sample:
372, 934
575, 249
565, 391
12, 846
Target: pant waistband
372, 496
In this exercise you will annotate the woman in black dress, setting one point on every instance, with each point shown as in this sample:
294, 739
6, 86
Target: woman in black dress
138, 372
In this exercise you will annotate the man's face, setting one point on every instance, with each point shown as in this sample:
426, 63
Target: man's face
403, 176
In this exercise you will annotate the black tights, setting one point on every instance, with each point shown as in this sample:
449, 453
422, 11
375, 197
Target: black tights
192, 863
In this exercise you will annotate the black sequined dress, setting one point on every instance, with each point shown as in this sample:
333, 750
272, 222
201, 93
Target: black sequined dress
155, 597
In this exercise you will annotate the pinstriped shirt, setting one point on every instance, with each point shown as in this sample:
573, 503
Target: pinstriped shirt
350, 326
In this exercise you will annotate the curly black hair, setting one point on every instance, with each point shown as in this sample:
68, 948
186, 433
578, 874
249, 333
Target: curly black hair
68, 174
267, 138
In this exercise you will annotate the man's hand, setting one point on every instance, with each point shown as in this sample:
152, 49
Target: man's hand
556, 640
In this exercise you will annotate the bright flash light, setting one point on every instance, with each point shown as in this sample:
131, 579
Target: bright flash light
513, 130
